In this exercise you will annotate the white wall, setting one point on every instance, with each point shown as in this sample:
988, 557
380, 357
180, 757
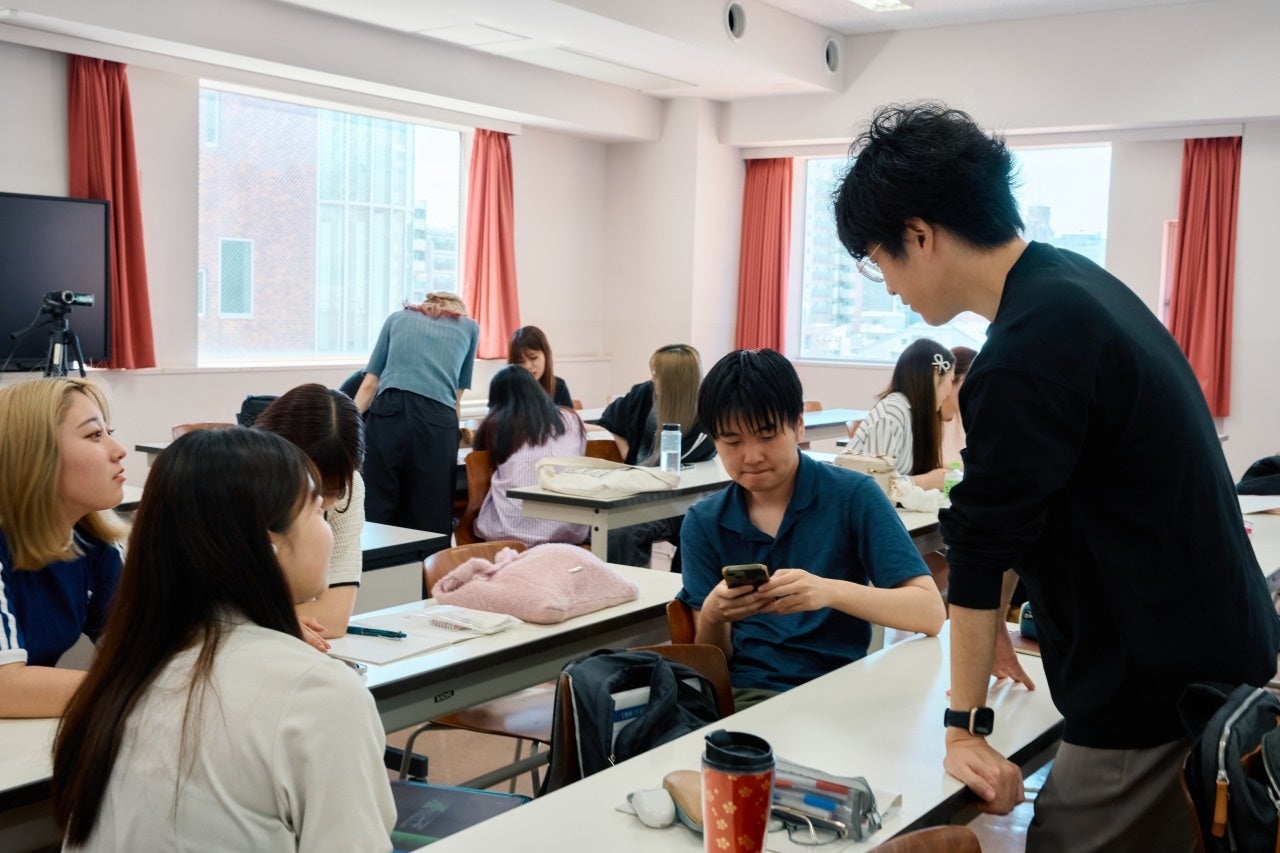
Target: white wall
1173, 67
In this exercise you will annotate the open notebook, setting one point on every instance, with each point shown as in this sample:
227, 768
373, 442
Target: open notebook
432, 627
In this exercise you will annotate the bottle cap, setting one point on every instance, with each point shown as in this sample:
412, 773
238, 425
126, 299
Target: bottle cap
675, 427
955, 466
737, 752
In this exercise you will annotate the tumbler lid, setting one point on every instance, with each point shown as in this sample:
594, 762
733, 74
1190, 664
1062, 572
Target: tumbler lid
737, 751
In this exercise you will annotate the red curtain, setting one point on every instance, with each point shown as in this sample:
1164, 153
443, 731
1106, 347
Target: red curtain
1200, 305
763, 259
490, 286
101, 164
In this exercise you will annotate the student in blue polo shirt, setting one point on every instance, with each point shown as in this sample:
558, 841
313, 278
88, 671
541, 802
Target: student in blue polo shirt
60, 477
824, 532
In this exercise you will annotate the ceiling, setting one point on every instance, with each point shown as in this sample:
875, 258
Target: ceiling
680, 48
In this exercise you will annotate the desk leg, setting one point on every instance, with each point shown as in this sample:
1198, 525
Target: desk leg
600, 536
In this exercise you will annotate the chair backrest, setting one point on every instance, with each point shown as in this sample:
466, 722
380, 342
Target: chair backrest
812, 406
603, 448
934, 839
577, 404
853, 426
480, 470
681, 621
182, 429
441, 563
707, 660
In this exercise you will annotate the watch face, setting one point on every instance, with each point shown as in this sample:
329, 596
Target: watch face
984, 721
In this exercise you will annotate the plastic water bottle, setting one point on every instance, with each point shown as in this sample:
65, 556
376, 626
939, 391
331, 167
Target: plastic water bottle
954, 475
669, 449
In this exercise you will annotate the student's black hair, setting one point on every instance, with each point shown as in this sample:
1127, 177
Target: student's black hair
929, 161
520, 413
753, 389
914, 376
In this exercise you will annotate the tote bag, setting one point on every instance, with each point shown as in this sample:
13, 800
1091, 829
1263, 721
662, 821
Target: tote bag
589, 477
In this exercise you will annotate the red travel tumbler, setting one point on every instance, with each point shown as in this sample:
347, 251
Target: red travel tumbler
737, 791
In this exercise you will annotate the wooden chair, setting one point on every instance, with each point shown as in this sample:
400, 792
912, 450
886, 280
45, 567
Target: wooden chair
812, 406
603, 448
577, 404
182, 429
680, 621
524, 716
480, 470
853, 426
934, 839
706, 659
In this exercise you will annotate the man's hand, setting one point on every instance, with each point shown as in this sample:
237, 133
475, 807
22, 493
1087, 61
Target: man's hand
313, 633
729, 604
795, 591
1006, 663
996, 780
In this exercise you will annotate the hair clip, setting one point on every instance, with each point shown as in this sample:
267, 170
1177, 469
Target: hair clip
941, 363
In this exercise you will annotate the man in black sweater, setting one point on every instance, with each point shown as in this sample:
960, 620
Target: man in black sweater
1093, 470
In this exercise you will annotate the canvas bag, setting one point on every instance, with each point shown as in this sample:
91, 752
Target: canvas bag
878, 467
675, 707
589, 477
1232, 771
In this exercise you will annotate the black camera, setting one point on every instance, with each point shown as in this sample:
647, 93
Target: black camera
66, 297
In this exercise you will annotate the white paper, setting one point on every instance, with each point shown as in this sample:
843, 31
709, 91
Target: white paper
1258, 503
422, 637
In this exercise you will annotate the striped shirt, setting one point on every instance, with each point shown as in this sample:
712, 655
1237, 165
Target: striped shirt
428, 356
887, 430
502, 517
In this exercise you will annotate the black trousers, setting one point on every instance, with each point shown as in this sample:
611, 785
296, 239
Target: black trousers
411, 455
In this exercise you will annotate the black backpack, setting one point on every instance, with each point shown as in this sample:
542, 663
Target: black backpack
680, 700
1262, 478
1232, 772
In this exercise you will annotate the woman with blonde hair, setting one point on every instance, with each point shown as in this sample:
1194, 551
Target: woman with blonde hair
60, 478
412, 391
636, 419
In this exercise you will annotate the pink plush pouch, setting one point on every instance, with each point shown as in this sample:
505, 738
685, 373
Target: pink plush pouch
545, 584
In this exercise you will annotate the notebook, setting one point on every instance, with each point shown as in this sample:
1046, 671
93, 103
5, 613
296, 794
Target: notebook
422, 636
427, 813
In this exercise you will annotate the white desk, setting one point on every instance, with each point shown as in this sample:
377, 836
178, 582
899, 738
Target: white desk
1266, 545
880, 718
407, 692
830, 423
605, 514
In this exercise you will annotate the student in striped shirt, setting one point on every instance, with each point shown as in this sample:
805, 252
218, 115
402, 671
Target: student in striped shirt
523, 426
906, 424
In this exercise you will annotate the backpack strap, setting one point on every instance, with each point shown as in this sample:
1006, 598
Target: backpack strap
1271, 764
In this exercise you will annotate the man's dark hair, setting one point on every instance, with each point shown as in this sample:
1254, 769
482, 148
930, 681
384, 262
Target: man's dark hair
929, 161
752, 388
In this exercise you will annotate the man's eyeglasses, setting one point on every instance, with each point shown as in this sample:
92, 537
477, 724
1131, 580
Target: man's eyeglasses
804, 830
868, 269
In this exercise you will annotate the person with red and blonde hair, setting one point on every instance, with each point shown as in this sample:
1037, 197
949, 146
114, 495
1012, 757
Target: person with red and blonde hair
412, 392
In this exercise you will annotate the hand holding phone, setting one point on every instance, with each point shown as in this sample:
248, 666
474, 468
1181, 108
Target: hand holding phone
747, 574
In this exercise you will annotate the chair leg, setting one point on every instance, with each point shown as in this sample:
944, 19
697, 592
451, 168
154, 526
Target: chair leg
511, 788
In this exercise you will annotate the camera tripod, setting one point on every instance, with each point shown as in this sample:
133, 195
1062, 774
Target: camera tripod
64, 346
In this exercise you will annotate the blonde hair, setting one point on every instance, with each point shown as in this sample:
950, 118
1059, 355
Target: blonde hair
677, 372
30, 464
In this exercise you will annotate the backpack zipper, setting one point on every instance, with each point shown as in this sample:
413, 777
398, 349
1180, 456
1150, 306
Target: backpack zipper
1220, 798
1273, 789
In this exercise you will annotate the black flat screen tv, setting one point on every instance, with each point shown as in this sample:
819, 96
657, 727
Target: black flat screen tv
50, 244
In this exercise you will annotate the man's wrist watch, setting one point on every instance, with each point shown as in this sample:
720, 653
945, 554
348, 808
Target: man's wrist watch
977, 721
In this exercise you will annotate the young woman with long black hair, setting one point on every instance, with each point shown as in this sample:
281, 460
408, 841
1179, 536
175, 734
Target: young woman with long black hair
205, 720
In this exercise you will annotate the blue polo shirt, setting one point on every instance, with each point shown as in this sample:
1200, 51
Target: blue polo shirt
840, 525
44, 612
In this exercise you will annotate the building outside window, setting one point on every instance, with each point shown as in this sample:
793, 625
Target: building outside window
346, 217
1062, 193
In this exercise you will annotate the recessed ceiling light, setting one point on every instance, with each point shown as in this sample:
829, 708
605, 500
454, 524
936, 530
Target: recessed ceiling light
884, 5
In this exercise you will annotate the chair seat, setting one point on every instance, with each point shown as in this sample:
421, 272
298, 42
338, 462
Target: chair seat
525, 715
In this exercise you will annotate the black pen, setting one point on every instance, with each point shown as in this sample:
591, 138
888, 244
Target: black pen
375, 632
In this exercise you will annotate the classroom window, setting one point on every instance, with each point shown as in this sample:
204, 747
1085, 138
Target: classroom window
201, 291
349, 217
235, 269
1063, 195
209, 116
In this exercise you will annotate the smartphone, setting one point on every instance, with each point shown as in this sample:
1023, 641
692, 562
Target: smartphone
748, 574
